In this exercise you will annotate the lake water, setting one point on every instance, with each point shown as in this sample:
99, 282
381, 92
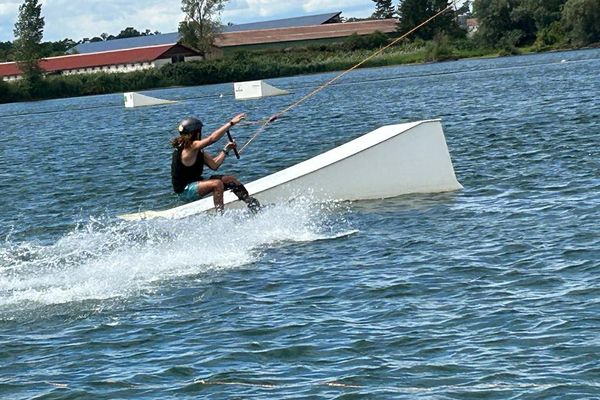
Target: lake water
489, 292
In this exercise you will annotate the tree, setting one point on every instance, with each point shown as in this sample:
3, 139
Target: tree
542, 12
580, 19
533, 16
374, 40
383, 9
29, 31
52, 49
506, 23
128, 33
495, 22
201, 24
6, 51
414, 12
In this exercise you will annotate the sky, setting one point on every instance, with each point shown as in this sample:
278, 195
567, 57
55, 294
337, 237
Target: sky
78, 19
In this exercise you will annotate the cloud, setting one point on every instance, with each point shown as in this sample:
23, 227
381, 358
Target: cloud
108, 16
8, 16
240, 11
315, 5
9, 7
79, 19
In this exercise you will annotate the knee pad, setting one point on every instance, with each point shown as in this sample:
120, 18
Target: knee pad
238, 189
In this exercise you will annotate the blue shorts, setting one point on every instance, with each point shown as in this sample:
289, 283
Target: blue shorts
190, 193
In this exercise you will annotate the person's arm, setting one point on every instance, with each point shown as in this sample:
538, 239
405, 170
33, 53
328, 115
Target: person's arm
218, 134
215, 162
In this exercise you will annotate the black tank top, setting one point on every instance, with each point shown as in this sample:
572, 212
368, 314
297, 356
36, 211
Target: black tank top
181, 176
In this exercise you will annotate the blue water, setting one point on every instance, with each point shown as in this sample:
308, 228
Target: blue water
489, 292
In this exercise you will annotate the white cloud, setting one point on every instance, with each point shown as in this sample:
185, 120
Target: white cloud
8, 16
9, 7
240, 11
316, 5
78, 19
111, 17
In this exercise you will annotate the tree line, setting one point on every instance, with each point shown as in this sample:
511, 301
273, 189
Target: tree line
504, 27
47, 49
503, 24
240, 66
61, 47
543, 23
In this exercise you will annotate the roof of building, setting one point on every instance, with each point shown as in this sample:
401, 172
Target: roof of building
305, 32
127, 43
79, 61
173, 37
308, 20
9, 69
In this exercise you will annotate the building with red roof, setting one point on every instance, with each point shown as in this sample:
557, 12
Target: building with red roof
282, 37
154, 51
472, 25
109, 61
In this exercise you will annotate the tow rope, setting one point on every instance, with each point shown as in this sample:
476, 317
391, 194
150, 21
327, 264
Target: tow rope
274, 117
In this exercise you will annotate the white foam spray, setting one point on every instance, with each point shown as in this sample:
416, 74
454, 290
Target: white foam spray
107, 259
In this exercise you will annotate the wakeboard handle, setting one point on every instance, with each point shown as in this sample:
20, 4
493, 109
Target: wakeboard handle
235, 150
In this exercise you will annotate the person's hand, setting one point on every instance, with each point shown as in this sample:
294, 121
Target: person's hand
235, 120
229, 146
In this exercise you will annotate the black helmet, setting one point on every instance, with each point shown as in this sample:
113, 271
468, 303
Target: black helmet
189, 125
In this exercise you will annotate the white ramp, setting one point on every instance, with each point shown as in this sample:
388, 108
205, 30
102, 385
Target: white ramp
255, 90
390, 161
133, 99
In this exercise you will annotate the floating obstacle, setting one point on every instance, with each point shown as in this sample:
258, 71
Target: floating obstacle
390, 161
255, 90
133, 99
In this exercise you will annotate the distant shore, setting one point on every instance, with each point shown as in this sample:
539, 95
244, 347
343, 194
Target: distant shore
245, 66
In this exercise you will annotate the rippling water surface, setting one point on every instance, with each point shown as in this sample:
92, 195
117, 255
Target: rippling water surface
489, 292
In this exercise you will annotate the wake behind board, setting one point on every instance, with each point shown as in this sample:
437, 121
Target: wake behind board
387, 162
333, 236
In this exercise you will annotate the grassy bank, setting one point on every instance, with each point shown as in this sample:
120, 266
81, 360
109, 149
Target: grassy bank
243, 66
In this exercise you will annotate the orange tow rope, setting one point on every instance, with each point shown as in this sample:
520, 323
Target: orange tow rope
323, 86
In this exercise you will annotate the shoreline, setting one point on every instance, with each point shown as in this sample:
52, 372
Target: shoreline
255, 66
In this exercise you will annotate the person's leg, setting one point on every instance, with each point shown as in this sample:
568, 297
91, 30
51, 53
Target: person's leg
217, 188
230, 182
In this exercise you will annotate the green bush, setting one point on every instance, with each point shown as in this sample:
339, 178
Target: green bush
580, 19
508, 44
550, 36
375, 40
465, 45
7, 92
439, 49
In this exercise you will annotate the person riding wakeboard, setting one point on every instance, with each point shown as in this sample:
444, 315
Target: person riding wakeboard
189, 158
